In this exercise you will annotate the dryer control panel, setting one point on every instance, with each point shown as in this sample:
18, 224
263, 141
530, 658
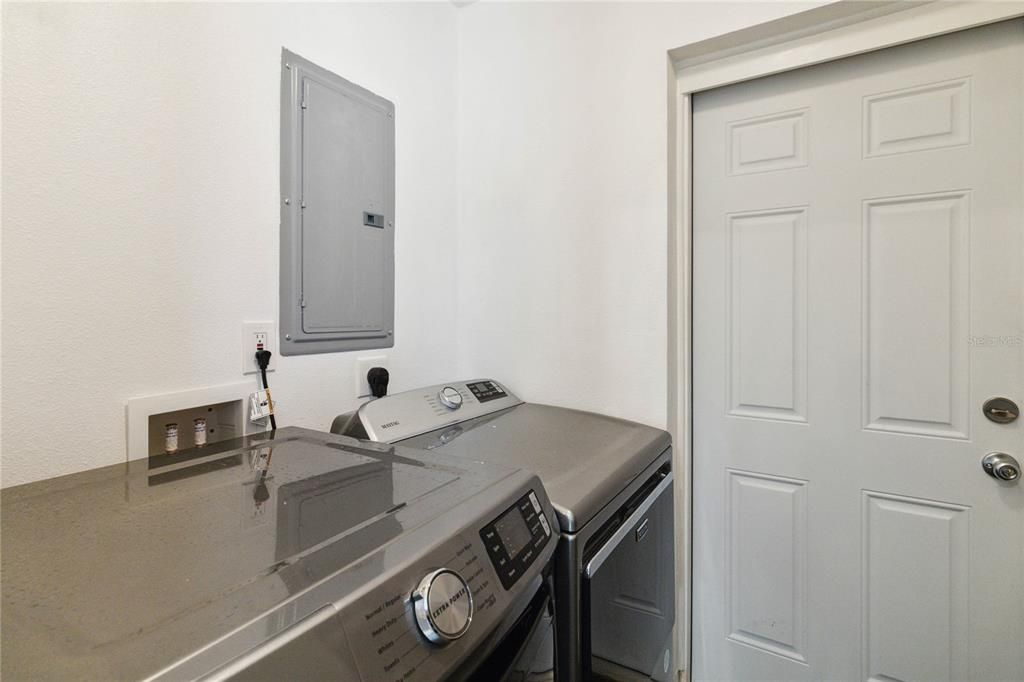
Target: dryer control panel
516, 538
420, 622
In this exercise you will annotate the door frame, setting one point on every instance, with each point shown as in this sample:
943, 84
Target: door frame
823, 34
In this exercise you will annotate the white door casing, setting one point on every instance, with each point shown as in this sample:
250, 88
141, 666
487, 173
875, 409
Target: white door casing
857, 295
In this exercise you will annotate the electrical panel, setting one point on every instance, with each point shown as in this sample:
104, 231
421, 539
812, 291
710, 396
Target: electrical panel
337, 213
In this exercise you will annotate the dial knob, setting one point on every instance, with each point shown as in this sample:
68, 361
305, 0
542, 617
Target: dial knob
443, 604
450, 398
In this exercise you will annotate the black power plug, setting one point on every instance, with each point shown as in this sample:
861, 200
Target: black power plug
378, 378
263, 360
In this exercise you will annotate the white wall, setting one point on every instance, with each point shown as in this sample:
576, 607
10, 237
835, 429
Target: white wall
563, 200
140, 215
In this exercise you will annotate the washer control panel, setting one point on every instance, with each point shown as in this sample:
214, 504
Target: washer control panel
516, 538
396, 417
450, 397
486, 390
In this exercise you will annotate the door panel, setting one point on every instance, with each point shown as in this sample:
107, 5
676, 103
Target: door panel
766, 546
913, 119
768, 313
915, 318
901, 535
858, 295
767, 143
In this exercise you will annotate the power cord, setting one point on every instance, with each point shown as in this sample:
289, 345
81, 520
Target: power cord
263, 360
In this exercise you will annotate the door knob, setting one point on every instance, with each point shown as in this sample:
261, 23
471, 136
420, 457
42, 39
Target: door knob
1001, 466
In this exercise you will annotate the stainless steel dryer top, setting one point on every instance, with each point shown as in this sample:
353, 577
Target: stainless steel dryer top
292, 554
584, 459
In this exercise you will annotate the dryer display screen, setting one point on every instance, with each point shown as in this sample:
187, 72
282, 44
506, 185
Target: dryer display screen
513, 533
515, 538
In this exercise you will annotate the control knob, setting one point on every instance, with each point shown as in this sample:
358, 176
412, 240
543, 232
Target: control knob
450, 398
443, 604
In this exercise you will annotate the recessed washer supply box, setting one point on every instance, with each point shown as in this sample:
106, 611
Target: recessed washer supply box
224, 407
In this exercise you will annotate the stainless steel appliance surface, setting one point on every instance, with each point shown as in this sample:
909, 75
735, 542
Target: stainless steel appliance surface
611, 484
288, 555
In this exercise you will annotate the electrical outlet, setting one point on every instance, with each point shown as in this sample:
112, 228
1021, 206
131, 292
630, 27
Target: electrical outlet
256, 336
364, 365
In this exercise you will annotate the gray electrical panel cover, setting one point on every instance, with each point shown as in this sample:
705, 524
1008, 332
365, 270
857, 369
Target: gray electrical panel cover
337, 213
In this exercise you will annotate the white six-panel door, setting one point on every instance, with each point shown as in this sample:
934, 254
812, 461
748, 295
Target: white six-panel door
858, 295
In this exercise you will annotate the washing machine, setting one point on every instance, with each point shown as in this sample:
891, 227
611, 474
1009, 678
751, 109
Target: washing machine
611, 485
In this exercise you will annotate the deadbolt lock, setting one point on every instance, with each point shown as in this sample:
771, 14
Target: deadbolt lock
1000, 410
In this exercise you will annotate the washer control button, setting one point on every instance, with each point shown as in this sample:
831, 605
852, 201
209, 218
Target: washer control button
450, 398
443, 604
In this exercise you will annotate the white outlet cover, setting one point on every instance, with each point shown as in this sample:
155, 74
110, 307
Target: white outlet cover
247, 344
364, 365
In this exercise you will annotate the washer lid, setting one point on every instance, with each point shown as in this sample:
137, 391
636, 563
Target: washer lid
584, 459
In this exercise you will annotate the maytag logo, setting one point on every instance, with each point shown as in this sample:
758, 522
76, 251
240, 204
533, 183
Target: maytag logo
389, 425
